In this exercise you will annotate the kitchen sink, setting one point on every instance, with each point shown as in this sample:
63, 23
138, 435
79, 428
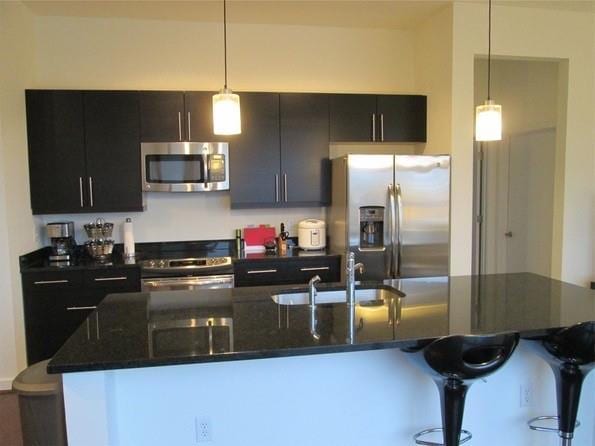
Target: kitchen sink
369, 296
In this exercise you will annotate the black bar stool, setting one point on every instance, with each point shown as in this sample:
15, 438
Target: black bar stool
570, 352
454, 363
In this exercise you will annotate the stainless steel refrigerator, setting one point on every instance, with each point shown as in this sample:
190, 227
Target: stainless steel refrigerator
393, 212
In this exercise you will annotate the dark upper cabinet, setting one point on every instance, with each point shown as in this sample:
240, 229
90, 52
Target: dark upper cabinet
352, 117
402, 117
113, 151
377, 118
305, 167
162, 116
169, 116
56, 140
255, 157
84, 151
198, 109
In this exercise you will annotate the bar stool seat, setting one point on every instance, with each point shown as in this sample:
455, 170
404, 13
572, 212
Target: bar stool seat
455, 363
570, 352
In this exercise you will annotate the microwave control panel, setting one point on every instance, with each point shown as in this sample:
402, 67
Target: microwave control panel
216, 167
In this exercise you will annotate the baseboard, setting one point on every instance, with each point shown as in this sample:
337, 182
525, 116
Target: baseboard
5, 384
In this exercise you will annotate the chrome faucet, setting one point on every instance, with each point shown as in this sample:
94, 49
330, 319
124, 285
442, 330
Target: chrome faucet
350, 298
350, 285
312, 304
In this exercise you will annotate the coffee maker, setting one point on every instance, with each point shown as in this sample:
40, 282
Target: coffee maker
371, 221
61, 235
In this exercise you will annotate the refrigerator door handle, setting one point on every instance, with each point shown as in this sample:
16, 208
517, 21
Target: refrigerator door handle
391, 207
398, 237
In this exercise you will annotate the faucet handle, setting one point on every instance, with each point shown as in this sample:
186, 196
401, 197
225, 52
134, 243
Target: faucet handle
314, 280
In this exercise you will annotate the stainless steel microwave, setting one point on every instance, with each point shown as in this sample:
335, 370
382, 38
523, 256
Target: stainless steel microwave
185, 166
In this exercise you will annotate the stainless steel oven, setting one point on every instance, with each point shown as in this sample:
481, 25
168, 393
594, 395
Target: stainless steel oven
187, 282
185, 166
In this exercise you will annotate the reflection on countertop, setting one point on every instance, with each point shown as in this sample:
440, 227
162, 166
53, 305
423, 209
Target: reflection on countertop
246, 323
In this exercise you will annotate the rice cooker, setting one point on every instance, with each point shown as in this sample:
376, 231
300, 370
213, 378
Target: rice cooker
311, 234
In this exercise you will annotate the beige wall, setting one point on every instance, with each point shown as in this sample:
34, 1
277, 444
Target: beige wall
17, 234
433, 76
551, 34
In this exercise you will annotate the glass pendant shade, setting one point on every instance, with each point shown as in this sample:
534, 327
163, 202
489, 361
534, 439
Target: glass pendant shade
226, 113
488, 122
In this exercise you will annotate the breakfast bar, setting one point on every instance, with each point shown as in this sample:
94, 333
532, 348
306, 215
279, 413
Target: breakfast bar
162, 358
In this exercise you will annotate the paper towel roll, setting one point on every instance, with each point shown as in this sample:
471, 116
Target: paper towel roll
128, 238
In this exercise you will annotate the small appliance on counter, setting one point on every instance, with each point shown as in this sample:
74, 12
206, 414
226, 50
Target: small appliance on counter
100, 244
312, 234
61, 236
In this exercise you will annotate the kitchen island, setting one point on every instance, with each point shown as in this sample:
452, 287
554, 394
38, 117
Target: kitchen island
141, 378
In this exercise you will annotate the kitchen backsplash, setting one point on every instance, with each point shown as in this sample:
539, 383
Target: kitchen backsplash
185, 217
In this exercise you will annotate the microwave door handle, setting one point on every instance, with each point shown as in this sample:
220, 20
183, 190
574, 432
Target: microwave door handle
205, 170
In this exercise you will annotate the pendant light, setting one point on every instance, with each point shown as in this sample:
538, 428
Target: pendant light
488, 117
226, 104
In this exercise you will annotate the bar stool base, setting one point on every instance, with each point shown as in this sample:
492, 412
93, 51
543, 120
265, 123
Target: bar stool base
466, 436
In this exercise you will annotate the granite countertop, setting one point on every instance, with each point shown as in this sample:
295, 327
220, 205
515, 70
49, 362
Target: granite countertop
153, 329
38, 260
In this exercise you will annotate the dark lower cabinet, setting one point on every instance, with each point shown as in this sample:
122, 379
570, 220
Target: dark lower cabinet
255, 158
57, 303
403, 117
57, 167
305, 166
286, 271
113, 151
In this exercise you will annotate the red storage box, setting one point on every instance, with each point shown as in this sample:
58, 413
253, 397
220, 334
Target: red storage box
257, 236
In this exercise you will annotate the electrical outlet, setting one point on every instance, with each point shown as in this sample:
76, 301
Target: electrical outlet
204, 430
526, 395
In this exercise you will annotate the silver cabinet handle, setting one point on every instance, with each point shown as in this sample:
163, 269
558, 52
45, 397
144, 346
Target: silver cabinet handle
285, 186
277, 187
109, 279
91, 190
81, 308
373, 126
261, 271
189, 131
50, 282
315, 268
180, 125
381, 126
81, 191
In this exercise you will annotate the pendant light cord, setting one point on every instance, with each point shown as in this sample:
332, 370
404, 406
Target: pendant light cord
225, 41
489, 44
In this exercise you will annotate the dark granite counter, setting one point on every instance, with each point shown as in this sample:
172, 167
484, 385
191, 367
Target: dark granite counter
165, 328
38, 260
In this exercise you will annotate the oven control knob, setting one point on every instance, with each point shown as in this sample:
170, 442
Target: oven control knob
162, 263
151, 263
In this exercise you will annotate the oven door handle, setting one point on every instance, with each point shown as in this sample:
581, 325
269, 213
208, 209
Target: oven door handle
190, 281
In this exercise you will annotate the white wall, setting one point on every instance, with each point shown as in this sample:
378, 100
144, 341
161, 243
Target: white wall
540, 33
17, 233
378, 399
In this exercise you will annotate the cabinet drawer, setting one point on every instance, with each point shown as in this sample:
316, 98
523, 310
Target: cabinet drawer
303, 271
46, 281
260, 273
125, 279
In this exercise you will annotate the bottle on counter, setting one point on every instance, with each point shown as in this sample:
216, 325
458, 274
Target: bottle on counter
238, 242
128, 237
282, 240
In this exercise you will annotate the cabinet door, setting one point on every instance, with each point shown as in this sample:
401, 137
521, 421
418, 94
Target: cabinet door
352, 117
199, 117
305, 167
113, 151
254, 154
56, 151
161, 116
402, 118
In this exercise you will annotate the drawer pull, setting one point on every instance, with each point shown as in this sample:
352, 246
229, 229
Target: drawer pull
108, 279
49, 282
316, 268
261, 271
80, 308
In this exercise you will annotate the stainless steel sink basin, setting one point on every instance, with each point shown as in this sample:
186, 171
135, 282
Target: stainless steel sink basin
369, 296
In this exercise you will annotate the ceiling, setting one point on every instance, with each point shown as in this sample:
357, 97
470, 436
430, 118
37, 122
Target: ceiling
400, 14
